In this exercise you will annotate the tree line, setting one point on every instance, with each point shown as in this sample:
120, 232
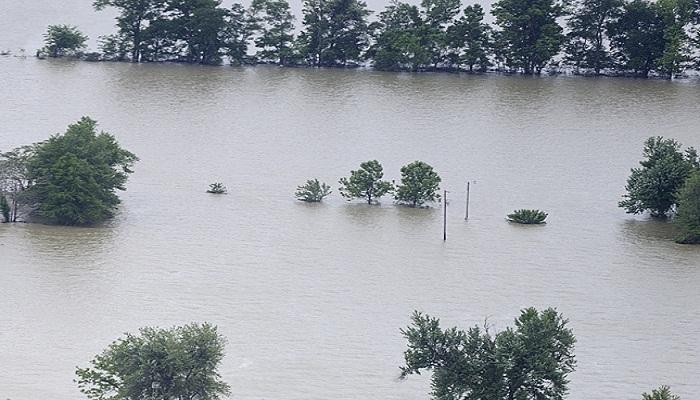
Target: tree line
636, 37
529, 361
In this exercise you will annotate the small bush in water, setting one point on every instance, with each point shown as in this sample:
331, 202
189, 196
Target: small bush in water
217, 188
528, 217
312, 191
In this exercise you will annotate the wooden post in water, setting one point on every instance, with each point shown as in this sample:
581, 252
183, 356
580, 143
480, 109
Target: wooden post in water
444, 216
466, 214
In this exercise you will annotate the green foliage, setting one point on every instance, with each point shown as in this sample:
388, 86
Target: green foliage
365, 183
663, 172
217, 188
15, 180
236, 35
588, 34
135, 20
76, 174
272, 25
470, 39
61, 40
175, 363
419, 184
528, 362
688, 212
528, 217
5, 209
400, 41
530, 35
312, 191
335, 32
662, 393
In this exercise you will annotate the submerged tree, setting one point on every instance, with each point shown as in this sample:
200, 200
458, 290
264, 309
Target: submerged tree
15, 179
663, 172
662, 393
470, 39
312, 191
688, 213
588, 33
365, 183
335, 32
75, 174
637, 37
419, 184
133, 20
531, 361
529, 34
175, 363
528, 217
4, 208
399, 39
271, 24
61, 40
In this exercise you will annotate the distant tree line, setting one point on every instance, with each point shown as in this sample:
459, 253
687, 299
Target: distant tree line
635, 37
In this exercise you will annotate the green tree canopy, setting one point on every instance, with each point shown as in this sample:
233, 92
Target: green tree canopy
133, 20
365, 183
312, 191
470, 39
175, 363
688, 213
419, 184
531, 361
271, 24
587, 45
654, 186
335, 31
529, 32
637, 37
63, 40
399, 39
77, 173
662, 393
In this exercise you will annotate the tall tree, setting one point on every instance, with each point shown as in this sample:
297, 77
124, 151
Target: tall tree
419, 184
677, 16
365, 183
176, 363
637, 37
75, 174
529, 32
663, 172
198, 28
688, 215
438, 16
335, 31
399, 39
133, 18
469, 39
236, 35
15, 179
528, 362
62, 40
272, 26
588, 37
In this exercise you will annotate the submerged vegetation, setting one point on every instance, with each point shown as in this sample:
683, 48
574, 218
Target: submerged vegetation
531, 361
366, 183
217, 188
312, 191
528, 217
69, 179
629, 37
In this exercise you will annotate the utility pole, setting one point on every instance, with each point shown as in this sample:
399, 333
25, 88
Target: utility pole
444, 217
466, 214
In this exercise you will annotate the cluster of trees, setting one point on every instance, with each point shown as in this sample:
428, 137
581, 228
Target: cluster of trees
531, 361
69, 179
420, 184
667, 184
620, 36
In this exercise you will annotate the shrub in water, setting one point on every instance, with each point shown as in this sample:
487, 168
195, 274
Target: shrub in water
313, 191
217, 188
529, 217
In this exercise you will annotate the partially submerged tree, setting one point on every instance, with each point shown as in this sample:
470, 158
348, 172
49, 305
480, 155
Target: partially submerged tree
271, 24
75, 174
419, 184
688, 213
663, 172
312, 191
217, 188
63, 40
15, 179
528, 217
531, 361
662, 393
365, 183
175, 363
4, 208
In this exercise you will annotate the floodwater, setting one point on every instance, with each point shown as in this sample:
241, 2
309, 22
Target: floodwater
312, 297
